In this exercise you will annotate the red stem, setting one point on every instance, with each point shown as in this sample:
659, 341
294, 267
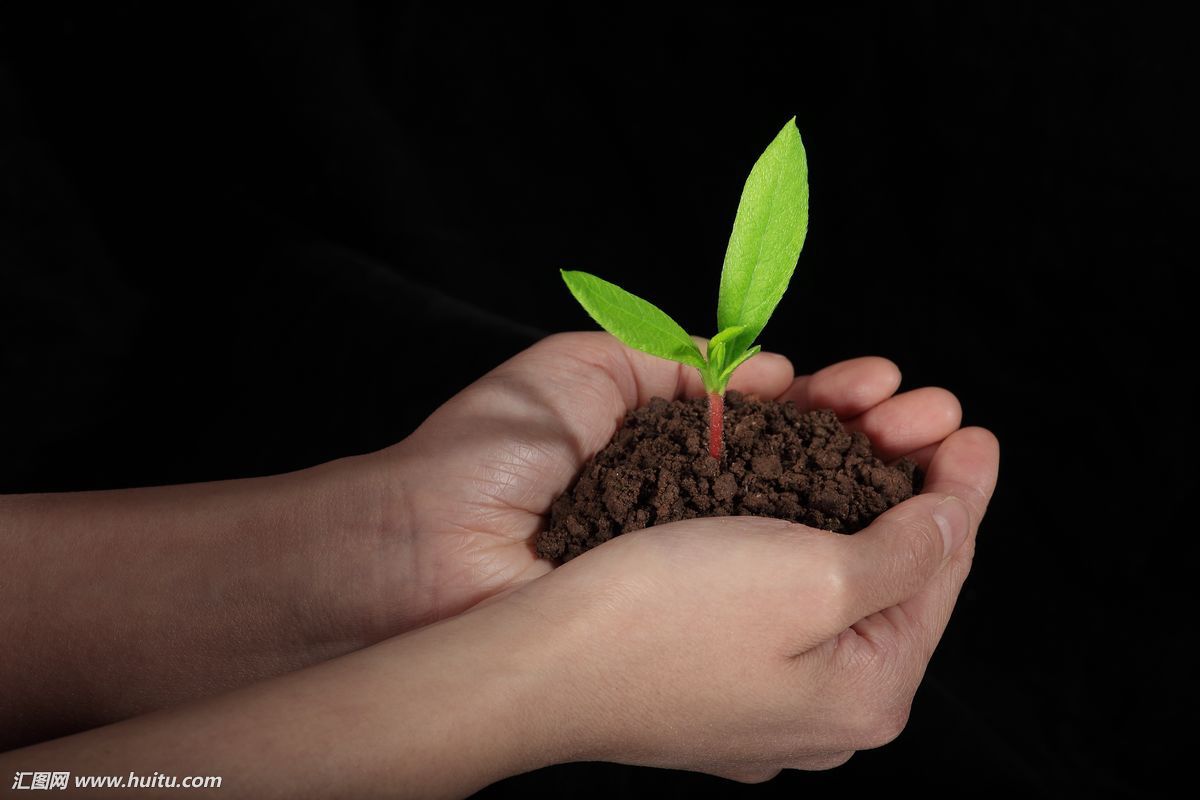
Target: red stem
716, 424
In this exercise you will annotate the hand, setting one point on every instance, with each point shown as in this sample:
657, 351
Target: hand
314, 564
743, 646
736, 646
461, 500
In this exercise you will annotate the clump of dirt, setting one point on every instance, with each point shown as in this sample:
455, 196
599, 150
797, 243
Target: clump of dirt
778, 462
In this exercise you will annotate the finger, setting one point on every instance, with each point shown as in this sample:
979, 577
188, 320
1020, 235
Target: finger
585, 383
750, 774
848, 387
763, 375
921, 457
964, 467
909, 421
822, 761
899, 555
891, 559
639, 376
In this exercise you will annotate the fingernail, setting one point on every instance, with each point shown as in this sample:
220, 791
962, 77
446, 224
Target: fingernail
951, 518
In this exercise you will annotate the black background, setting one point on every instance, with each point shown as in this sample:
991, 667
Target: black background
240, 239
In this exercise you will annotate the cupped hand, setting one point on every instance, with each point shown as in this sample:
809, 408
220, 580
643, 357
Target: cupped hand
456, 506
742, 646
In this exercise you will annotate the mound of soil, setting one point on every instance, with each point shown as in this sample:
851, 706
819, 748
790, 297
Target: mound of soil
778, 462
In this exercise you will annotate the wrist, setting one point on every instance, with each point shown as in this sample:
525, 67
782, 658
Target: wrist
561, 646
454, 706
521, 700
439, 712
360, 539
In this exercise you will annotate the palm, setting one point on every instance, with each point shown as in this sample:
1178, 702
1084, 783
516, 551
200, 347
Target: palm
484, 468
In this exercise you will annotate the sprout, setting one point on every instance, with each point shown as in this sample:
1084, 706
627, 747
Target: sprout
768, 232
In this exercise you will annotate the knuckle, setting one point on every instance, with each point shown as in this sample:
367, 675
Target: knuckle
836, 587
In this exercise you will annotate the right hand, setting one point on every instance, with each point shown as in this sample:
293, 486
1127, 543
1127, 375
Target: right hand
743, 646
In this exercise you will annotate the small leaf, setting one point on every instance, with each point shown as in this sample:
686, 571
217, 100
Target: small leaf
768, 232
637, 323
727, 373
718, 347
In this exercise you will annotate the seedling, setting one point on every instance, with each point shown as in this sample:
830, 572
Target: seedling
768, 232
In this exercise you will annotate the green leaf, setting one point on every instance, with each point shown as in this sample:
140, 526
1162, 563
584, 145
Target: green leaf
768, 232
719, 356
727, 373
637, 323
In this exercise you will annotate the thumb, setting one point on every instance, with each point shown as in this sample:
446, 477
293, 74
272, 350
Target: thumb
890, 560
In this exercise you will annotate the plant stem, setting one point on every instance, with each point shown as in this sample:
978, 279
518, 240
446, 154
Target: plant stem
716, 424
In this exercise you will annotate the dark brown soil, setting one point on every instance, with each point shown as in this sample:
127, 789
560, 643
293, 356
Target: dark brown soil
778, 462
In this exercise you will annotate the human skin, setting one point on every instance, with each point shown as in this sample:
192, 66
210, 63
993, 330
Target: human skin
516, 439
134, 600
734, 646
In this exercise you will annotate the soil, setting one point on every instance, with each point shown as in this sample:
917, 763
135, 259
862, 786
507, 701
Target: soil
778, 462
